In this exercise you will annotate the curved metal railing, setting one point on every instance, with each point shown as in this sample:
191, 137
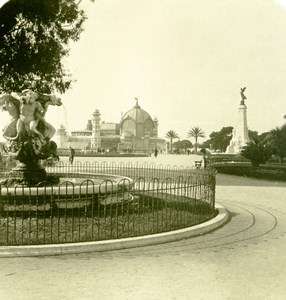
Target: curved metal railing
151, 199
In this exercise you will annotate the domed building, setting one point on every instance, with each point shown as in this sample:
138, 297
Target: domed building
138, 123
137, 132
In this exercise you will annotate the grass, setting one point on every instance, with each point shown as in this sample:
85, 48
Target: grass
146, 215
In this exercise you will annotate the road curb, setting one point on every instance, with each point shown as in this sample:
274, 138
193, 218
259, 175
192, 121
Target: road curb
117, 244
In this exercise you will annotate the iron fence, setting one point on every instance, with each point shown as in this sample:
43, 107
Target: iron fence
151, 199
133, 170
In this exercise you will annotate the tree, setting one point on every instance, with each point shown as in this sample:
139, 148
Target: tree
277, 139
263, 136
171, 135
253, 134
184, 144
196, 132
34, 38
258, 152
219, 140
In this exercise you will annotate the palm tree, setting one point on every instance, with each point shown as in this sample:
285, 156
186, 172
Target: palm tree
258, 152
171, 134
196, 132
277, 138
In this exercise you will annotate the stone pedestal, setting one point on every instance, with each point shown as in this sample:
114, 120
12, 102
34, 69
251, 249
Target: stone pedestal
240, 132
30, 174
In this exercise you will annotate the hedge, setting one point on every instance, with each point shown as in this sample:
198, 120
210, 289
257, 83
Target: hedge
246, 170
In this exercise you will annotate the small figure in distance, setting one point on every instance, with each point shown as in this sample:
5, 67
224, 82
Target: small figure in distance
156, 152
72, 153
204, 152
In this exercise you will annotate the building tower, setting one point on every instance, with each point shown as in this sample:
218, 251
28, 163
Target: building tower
89, 125
240, 132
156, 124
61, 137
95, 142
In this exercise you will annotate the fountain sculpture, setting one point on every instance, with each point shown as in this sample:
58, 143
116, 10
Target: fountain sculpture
28, 134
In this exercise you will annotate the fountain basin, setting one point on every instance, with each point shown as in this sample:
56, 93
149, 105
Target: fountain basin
73, 191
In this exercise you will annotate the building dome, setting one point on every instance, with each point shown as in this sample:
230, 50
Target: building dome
138, 122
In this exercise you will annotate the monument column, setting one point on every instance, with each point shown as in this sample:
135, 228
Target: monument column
242, 129
240, 132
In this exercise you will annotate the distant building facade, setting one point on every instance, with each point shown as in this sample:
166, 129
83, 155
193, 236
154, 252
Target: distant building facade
137, 132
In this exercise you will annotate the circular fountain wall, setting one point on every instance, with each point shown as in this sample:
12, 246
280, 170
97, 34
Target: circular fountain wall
76, 190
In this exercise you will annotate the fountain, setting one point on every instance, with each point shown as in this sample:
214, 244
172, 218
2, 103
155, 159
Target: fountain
28, 137
87, 203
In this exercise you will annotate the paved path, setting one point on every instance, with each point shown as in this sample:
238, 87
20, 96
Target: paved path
245, 259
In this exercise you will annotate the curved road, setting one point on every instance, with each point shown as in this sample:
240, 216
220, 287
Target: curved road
245, 259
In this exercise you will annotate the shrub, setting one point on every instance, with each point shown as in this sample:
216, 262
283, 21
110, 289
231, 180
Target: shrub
257, 152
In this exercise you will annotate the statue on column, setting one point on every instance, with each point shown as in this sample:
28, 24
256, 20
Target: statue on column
242, 90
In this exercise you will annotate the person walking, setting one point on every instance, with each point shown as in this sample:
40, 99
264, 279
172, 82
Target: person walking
72, 153
156, 152
204, 152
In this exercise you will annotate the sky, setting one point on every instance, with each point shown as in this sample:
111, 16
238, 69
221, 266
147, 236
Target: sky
185, 60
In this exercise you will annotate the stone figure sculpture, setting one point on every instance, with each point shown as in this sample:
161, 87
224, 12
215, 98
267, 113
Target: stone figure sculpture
242, 90
28, 134
29, 108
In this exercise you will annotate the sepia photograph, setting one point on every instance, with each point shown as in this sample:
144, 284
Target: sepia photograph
143, 149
